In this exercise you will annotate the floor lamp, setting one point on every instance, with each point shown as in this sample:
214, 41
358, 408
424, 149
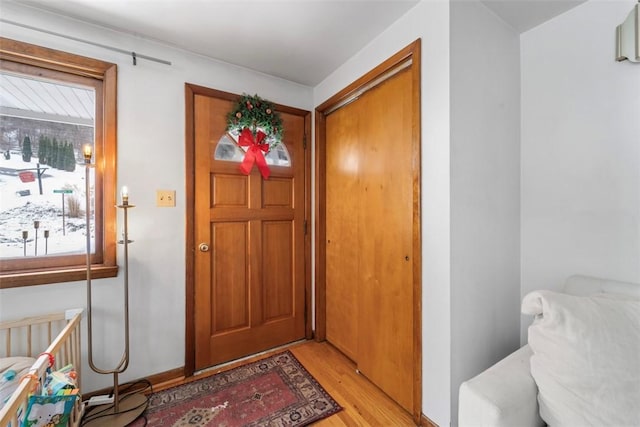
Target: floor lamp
119, 409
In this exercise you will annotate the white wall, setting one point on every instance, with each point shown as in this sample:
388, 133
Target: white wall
485, 191
580, 150
429, 20
150, 124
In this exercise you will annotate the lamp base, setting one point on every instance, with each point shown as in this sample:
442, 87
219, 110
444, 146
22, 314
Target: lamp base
130, 407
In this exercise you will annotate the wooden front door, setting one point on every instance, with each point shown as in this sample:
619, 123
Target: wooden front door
370, 233
249, 238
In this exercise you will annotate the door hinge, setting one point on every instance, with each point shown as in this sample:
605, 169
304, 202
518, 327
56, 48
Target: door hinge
304, 141
305, 227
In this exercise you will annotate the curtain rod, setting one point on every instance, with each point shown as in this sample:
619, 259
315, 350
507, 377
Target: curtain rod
133, 55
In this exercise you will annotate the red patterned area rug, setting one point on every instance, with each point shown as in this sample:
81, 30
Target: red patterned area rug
276, 391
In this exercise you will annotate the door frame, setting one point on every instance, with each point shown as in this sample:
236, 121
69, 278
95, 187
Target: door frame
191, 90
348, 94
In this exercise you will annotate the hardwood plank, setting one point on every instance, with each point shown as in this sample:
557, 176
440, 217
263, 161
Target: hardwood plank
363, 402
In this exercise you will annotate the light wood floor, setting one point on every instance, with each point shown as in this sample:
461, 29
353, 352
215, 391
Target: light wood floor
363, 403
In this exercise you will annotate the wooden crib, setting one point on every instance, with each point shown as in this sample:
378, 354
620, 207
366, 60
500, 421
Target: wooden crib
56, 334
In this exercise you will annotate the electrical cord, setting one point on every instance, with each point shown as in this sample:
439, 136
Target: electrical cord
126, 390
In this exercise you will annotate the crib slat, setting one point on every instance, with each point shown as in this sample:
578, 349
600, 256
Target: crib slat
48, 331
8, 344
66, 353
29, 341
76, 355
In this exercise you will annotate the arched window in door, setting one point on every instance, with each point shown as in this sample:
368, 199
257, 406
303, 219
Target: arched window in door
228, 150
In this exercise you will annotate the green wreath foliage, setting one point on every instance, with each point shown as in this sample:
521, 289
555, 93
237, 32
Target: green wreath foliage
255, 113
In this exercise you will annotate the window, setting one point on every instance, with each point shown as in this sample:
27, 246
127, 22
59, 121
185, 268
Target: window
51, 105
228, 150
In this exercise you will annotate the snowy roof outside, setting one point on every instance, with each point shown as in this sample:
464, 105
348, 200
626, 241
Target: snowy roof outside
39, 99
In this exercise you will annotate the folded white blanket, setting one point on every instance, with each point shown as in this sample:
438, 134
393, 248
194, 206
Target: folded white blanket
586, 360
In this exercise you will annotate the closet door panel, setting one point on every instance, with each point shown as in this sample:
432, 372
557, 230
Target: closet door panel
385, 325
343, 229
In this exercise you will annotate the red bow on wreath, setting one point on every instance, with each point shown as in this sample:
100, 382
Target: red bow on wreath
255, 152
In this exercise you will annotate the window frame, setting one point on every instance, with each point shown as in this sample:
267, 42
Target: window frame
21, 56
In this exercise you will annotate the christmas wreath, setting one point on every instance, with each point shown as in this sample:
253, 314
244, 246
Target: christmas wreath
254, 123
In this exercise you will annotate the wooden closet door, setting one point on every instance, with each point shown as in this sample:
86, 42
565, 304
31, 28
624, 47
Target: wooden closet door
385, 333
343, 229
369, 231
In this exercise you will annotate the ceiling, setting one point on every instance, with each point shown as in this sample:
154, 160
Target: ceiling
523, 15
298, 40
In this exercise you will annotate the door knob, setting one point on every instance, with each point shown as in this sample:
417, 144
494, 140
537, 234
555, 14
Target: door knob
203, 247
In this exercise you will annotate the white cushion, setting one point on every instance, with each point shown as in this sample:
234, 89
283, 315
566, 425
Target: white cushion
586, 358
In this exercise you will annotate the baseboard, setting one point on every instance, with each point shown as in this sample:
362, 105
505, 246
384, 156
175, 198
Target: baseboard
426, 422
158, 381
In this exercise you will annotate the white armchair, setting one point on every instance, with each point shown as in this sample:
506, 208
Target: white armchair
502, 396
505, 395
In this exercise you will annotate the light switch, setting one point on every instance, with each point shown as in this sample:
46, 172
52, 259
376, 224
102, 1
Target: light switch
166, 198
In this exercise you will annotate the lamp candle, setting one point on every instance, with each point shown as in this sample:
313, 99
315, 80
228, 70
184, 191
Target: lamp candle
36, 225
87, 151
25, 236
124, 193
